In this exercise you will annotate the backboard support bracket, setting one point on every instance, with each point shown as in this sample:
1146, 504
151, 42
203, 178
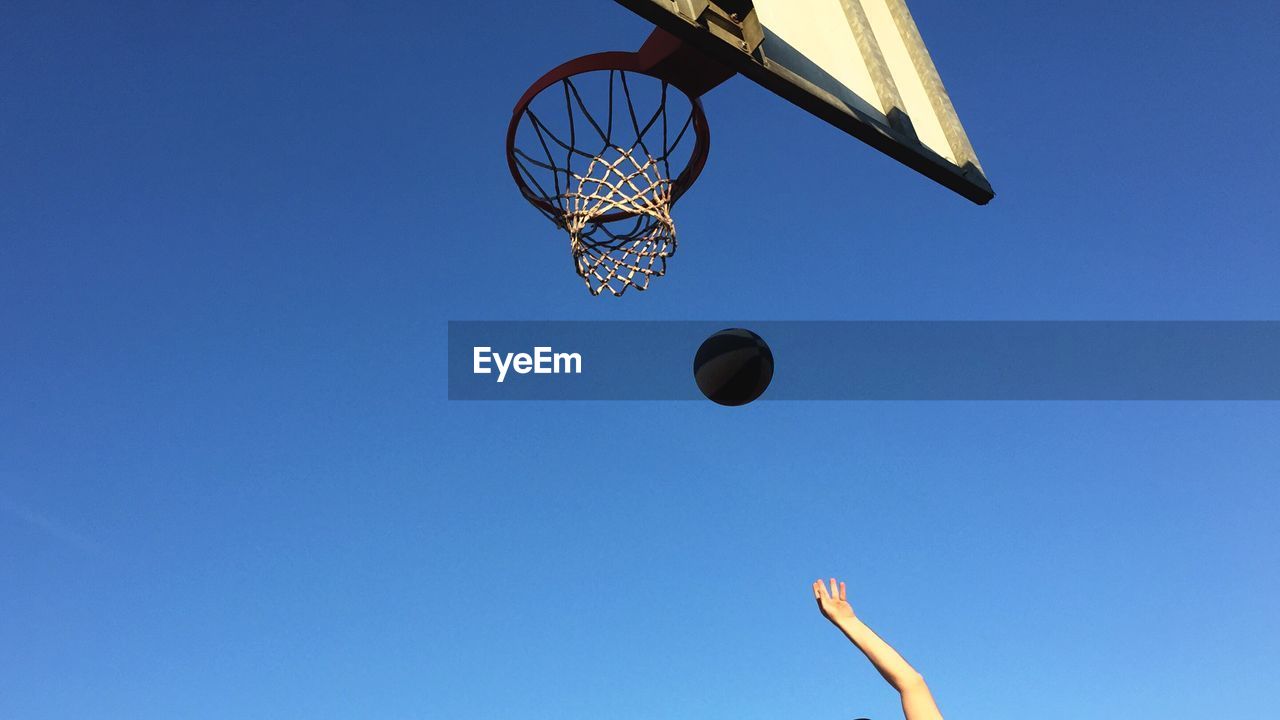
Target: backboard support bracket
684, 65
732, 21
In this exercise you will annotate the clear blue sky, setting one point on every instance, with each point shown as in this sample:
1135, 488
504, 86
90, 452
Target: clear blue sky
230, 484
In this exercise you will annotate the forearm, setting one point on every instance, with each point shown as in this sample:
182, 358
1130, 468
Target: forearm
886, 660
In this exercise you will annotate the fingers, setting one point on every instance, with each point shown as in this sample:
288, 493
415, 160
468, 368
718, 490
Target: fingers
837, 591
820, 590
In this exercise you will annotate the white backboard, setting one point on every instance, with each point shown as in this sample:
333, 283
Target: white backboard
859, 64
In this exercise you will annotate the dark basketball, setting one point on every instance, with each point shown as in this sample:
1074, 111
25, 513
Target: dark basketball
733, 367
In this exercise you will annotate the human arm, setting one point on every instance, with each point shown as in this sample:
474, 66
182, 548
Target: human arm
917, 701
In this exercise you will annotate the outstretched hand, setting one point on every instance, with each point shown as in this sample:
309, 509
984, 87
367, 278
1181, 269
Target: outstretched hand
832, 603
917, 701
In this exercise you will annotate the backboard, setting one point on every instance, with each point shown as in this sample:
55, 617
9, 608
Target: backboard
860, 65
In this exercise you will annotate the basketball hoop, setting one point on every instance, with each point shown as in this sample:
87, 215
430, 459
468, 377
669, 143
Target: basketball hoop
609, 175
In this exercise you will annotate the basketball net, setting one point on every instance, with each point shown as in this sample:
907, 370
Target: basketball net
608, 167
623, 253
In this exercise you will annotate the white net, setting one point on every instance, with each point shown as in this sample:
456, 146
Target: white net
624, 253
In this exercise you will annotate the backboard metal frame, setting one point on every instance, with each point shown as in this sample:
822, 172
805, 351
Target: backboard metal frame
728, 31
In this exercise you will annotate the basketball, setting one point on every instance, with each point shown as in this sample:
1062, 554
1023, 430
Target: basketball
733, 367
